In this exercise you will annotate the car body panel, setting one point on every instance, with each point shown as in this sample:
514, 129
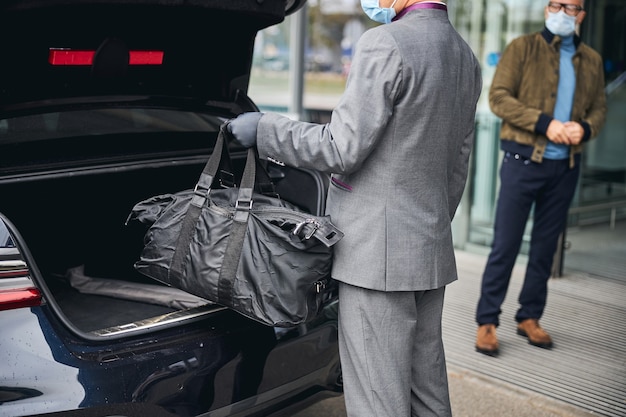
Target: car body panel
201, 361
218, 365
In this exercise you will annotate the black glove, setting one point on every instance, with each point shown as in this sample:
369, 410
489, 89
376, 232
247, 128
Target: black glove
243, 128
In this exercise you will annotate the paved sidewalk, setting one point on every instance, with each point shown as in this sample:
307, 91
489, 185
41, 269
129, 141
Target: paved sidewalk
473, 395
584, 375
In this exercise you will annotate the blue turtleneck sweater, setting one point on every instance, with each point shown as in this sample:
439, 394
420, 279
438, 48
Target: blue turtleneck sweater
564, 96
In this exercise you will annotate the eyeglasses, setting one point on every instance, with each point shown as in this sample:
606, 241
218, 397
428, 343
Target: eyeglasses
570, 9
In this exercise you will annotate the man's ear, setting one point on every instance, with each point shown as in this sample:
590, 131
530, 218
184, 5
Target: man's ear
580, 17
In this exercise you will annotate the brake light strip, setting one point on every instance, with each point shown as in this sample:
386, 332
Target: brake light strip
74, 57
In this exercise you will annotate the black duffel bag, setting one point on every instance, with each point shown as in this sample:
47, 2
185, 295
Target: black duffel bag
256, 254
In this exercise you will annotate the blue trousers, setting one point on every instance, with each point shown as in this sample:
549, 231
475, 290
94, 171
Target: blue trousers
550, 186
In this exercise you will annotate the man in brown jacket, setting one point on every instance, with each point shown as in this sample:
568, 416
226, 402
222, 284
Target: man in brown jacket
549, 91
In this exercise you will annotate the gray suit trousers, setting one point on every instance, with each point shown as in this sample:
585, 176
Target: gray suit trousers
392, 355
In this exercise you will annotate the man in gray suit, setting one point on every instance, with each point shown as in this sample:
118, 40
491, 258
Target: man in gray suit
397, 146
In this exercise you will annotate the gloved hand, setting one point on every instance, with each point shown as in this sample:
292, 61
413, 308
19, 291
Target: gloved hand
243, 128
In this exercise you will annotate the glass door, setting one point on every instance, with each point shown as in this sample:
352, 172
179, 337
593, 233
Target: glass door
604, 165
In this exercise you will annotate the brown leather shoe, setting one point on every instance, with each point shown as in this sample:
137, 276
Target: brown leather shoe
486, 340
531, 329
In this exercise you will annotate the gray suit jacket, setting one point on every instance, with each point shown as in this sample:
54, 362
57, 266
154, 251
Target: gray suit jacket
398, 146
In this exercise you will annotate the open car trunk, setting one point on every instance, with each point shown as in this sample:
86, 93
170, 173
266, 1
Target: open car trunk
107, 103
73, 223
104, 104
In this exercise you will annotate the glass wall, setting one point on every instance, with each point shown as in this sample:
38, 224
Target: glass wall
604, 176
331, 30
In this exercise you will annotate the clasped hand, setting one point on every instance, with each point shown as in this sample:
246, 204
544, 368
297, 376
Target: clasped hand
568, 133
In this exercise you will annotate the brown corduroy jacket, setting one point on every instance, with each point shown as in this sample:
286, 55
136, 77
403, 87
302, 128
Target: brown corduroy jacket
523, 92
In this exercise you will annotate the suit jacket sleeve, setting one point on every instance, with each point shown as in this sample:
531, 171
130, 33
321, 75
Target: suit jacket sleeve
357, 123
458, 178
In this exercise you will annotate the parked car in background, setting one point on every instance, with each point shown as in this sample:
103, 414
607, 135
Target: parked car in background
102, 105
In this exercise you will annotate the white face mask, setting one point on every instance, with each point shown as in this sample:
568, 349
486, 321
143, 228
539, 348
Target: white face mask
561, 24
378, 14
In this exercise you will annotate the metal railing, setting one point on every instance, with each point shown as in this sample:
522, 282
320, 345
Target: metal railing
611, 206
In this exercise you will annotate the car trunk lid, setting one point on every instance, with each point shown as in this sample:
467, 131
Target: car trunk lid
79, 50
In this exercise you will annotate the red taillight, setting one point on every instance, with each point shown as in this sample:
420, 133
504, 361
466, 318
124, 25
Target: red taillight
16, 287
19, 298
69, 57
146, 58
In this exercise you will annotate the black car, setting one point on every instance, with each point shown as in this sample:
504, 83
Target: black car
104, 104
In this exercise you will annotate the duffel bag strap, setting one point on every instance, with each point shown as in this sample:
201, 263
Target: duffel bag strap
201, 192
228, 271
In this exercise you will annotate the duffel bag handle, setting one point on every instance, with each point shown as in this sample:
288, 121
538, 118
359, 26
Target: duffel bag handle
201, 193
218, 156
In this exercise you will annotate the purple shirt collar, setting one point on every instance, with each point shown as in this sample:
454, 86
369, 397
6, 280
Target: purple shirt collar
424, 5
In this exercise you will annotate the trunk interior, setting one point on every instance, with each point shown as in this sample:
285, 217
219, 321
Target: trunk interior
77, 222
